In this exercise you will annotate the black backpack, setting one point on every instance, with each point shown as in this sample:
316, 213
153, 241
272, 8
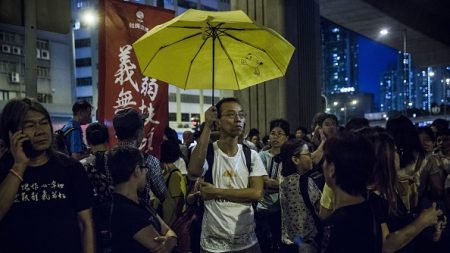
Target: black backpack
60, 139
210, 160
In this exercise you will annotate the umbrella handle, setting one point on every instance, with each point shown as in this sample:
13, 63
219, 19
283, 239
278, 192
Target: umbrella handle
214, 36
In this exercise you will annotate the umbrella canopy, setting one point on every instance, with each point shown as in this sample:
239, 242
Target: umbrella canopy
208, 50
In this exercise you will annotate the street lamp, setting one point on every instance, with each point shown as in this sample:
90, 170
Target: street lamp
89, 17
405, 61
345, 107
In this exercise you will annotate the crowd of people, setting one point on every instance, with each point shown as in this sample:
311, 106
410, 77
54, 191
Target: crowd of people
352, 188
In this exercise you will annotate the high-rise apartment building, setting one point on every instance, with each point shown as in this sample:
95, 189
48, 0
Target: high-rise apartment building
340, 59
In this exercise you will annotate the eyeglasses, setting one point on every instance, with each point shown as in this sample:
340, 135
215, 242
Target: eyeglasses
233, 114
277, 134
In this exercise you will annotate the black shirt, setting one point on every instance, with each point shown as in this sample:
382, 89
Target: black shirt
128, 218
43, 217
352, 229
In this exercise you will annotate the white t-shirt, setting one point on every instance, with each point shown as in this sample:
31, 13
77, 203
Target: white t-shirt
230, 226
181, 165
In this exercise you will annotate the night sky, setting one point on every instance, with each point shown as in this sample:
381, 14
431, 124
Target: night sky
374, 59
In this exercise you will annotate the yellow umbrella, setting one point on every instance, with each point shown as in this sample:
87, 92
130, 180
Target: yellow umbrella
213, 50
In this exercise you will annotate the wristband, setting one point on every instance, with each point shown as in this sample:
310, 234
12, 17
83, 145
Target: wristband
16, 174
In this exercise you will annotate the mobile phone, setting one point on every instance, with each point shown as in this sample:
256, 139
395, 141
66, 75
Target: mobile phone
27, 148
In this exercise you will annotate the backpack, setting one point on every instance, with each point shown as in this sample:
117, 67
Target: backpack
61, 140
181, 205
303, 185
210, 160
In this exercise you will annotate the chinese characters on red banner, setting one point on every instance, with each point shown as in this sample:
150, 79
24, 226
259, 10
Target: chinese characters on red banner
121, 84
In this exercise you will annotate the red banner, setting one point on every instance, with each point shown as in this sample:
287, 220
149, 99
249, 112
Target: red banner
121, 84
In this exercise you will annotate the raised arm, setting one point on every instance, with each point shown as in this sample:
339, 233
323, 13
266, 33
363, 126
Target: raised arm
10, 185
398, 239
198, 156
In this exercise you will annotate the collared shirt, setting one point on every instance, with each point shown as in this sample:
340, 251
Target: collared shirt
155, 179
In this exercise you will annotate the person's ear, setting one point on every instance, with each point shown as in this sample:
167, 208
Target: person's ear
331, 170
137, 171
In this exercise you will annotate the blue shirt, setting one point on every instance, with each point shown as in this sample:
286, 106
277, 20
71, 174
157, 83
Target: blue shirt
74, 139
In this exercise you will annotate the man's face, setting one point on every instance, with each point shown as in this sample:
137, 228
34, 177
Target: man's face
329, 127
443, 143
277, 137
299, 134
254, 139
232, 119
37, 127
187, 137
427, 142
85, 116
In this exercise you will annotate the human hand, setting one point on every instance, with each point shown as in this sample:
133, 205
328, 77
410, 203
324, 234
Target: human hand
167, 243
16, 141
210, 116
438, 228
430, 216
207, 191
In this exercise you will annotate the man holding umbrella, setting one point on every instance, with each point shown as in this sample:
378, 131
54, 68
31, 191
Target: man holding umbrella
228, 221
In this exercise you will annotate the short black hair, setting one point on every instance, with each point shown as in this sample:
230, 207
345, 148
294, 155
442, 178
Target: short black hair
440, 124
281, 123
81, 105
170, 151
14, 113
171, 134
253, 132
122, 161
325, 116
127, 123
303, 129
357, 123
97, 133
353, 157
443, 132
222, 101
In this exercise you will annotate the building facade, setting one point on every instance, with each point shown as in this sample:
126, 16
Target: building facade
54, 70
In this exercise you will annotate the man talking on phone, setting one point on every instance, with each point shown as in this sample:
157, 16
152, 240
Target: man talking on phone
45, 196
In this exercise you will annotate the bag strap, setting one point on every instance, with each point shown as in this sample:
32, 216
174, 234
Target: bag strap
303, 185
210, 160
248, 157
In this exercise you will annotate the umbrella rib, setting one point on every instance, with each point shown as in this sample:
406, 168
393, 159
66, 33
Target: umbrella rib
165, 46
193, 59
185, 38
232, 64
251, 45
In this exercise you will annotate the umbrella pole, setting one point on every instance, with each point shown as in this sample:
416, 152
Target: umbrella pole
214, 36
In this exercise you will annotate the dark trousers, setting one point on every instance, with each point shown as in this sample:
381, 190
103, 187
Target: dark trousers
268, 231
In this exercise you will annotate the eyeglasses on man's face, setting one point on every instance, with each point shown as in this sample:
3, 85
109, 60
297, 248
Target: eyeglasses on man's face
233, 114
277, 134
